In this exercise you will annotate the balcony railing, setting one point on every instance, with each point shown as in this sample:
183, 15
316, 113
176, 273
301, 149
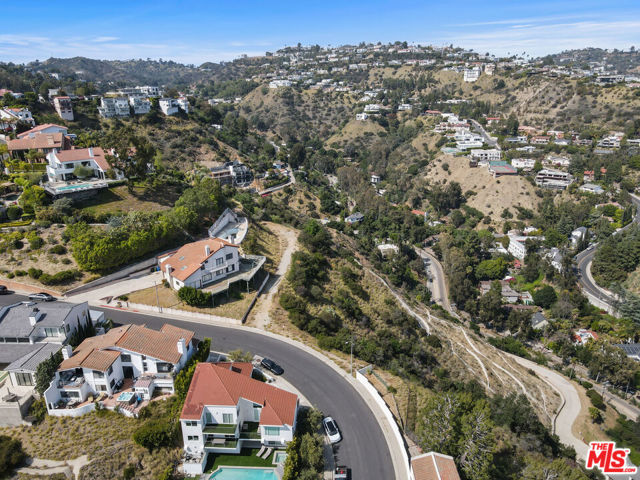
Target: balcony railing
221, 428
250, 430
72, 383
221, 443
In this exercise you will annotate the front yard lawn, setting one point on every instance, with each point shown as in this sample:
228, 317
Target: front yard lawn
246, 458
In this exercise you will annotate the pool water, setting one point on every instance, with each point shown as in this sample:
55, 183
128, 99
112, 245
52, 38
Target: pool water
279, 457
229, 473
74, 187
125, 396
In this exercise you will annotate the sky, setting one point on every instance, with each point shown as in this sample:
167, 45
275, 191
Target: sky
197, 31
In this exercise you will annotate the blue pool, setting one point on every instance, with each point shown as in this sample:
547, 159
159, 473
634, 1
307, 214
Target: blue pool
74, 187
125, 396
231, 473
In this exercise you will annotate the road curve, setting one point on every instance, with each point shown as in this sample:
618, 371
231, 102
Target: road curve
363, 448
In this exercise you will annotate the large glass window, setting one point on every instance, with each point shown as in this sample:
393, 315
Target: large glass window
227, 418
219, 261
209, 417
273, 431
125, 357
97, 374
24, 379
256, 414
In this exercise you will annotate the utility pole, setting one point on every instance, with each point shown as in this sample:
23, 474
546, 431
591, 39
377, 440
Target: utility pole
351, 343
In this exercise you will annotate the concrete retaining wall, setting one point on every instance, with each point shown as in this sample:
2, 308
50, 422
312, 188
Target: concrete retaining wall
175, 311
361, 377
73, 412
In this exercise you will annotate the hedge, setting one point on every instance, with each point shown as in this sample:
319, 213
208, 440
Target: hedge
60, 278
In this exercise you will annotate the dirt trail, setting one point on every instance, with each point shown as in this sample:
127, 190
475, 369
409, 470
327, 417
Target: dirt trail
260, 315
42, 467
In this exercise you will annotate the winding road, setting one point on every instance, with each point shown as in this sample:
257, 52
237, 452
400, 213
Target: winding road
363, 448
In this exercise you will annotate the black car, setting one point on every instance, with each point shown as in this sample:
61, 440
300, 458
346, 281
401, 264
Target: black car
3, 290
42, 296
272, 366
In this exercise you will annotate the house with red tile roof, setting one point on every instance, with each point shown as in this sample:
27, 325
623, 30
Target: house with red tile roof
40, 141
200, 263
44, 128
143, 357
434, 466
9, 117
63, 163
226, 410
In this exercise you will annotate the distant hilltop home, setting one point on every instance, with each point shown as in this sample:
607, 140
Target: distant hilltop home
132, 361
485, 156
200, 263
232, 173
64, 108
63, 164
471, 74
553, 179
114, 107
171, 106
226, 410
29, 334
354, 218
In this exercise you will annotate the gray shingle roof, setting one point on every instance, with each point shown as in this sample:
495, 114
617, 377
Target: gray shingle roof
10, 352
630, 348
14, 319
30, 361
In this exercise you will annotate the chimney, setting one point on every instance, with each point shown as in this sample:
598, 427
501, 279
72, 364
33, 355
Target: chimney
182, 347
67, 351
207, 250
34, 316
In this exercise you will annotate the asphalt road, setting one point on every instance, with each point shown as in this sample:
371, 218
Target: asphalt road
439, 285
363, 447
584, 259
493, 143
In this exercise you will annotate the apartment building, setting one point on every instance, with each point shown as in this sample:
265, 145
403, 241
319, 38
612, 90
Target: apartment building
64, 108
114, 107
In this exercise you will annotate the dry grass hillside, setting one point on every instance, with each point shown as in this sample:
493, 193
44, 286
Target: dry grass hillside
492, 195
355, 130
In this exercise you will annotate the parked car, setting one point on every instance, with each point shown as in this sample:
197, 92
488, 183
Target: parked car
3, 290
331, 427
341, 473
272, 366
42, 296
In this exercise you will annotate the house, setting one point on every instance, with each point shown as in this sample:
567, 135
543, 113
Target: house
555, 258
582, 336
405, 107
538, 321
354, 218
578, 235
361, 117
609, 142
631, 350
230, 227
499, 168
232, 173
280, 83
375, 178
114, 107
10, 117
140, 105
539, 140
517, 247
62, 164
591, 188
518, 139
509, 295
136, 355
27, 328
42, 142
554, 179
485, 156
171, 106
372, 108
589, 176
44, 128
227, 410
557, 161
471, 74
63, 107
433, 466
200, 263
525, 164
388, 249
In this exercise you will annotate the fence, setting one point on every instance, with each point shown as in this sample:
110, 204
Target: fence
361, 377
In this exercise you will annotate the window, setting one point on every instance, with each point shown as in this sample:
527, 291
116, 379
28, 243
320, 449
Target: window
233, 267
101, 388
220, 272
219, 261
193, 438
273, 431
97, 374
112, 382
109, 370
227, 418
124, 357
256, 414
144, 366
209, 417
229, 256
191, 423
67, 327
24, 379
51, 331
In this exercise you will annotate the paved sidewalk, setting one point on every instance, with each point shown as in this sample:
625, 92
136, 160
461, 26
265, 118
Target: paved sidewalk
118, 288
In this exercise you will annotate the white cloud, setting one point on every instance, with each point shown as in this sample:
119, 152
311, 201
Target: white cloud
105, 39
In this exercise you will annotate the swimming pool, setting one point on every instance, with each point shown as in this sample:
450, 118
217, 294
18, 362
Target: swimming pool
279, 457
235, 473
74, 187
125, 396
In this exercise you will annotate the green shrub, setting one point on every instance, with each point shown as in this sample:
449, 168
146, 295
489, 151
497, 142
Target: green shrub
154, 434
20, 273
586, 384
596, 399
14, 212
35, 273
35, 242
10, 275
58, 250
11, 454
194, 297
60, 278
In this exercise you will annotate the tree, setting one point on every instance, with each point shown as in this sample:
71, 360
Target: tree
493, 269
33, 196
545, 296
154, 434
82, 172
490, 306
11, 454
14, 212
297, 155
46, 370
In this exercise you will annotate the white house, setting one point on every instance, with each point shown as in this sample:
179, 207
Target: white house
171, 106
63, 163
405, 107
517, 248
131, 354
183, 103
471, 74
200, 263
485, 156
591, 188
226, 410
9, 117
372, 108
525, 164
63, 107
555, 179
361, 117
140, 105
578, 235
280, 83
375, 178
114, 107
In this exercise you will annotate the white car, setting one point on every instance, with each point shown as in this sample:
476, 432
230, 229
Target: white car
331, 427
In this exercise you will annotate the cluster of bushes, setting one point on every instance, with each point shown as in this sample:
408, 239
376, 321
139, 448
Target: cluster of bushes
596, 399
58, 250
61, 278
304, 459
11, 454
509, 344
195, 297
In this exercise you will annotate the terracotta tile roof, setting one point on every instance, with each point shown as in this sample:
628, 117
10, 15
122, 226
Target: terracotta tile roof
216, 385
434, 466
39, 128
79, 154
243, 368
38, 141
95, 352
188, 258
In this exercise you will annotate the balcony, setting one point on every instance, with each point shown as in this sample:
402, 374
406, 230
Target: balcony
250, 431
221, 443
221, 428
